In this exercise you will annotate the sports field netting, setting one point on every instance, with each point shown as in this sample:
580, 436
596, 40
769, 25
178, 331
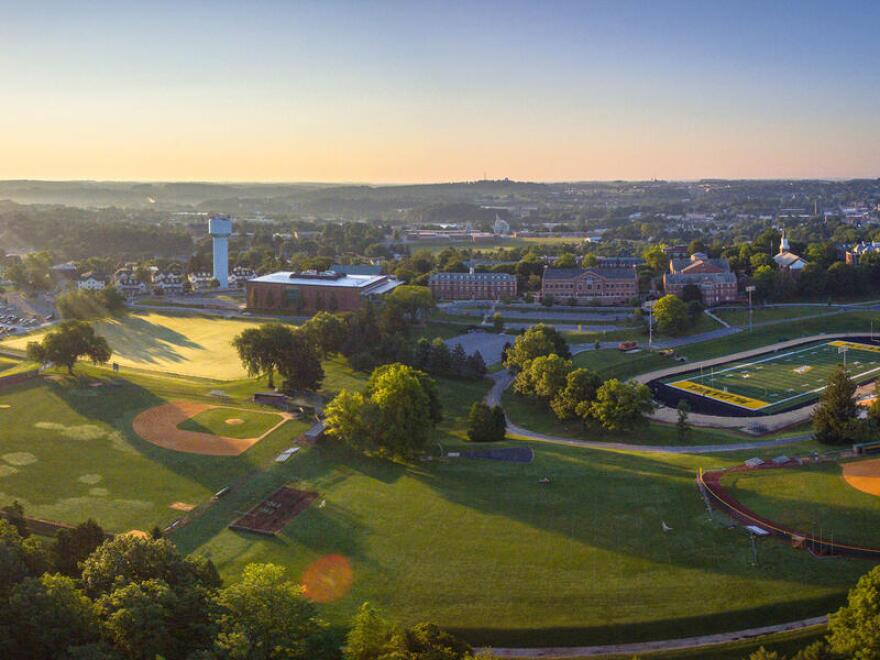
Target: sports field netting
777, 381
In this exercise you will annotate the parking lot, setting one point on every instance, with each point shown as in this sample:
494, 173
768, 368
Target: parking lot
489, 344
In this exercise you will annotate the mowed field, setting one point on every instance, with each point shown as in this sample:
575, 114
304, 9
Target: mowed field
185, 344
813, 499
68, 451
780, 380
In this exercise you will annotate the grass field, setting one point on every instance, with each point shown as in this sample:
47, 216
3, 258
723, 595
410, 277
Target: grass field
780, 380
740, 317
231, 422
810, 499
186, 344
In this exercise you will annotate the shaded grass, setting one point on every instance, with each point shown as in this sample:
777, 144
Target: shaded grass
813, 499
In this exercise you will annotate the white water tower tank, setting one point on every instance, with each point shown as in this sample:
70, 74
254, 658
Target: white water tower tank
220, 227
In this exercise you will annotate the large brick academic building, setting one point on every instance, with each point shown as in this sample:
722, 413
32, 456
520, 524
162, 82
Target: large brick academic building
309, 292
712, 277
472, 286
601, 286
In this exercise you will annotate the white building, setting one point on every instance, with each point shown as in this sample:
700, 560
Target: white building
787, 260
93, 281
127, 282
501, 227
240, 275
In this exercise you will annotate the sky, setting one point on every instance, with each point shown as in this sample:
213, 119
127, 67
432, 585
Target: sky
397, 92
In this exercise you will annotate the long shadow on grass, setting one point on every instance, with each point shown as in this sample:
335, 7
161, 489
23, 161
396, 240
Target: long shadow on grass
138, 339
618, 503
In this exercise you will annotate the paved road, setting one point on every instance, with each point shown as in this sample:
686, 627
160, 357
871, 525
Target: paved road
503, 379
662, 645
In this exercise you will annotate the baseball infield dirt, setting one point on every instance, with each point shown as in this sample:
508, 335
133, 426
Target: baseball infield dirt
158, 425
863, 475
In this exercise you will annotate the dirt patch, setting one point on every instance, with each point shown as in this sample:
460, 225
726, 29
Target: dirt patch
863, 475
182, 506
137, 533
159, 426
235, 421
273, 513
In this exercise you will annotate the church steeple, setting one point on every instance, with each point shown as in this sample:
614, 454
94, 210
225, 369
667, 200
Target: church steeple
783, 243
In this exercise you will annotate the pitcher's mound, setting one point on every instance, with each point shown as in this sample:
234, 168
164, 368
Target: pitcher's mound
235, 421
863, 475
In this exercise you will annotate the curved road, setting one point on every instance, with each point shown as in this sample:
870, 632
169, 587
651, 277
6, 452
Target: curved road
662, 645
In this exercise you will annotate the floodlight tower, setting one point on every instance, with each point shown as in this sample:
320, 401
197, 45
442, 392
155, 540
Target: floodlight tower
220, 227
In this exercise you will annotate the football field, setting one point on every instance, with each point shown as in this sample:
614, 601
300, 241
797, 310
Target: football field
785, 379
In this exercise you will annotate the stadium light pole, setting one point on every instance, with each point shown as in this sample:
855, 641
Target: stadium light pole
750, 289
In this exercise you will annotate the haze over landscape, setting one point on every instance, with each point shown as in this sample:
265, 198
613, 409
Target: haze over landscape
416, 92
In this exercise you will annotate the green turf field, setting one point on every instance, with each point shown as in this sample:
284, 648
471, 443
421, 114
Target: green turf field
780, 380
186, 344
813, 499
231, 422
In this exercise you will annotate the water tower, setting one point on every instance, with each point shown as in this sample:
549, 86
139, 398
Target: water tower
220, 227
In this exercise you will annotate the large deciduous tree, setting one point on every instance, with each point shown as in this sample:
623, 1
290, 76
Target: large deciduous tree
67, 343
575, 398
620, 406
292, 352
854, 630
671, 315
264, 615
538, 340
486, 424
543, 377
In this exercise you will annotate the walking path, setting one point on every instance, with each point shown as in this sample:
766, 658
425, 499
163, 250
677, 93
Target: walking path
662, 645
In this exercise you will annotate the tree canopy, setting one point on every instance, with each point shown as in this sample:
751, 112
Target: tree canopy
67, 343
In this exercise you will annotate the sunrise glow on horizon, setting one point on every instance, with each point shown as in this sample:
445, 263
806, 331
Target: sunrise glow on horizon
425, 92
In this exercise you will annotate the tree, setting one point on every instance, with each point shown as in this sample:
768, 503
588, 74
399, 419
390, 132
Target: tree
655, 258
74, 545
395, 415
682, 425
671, 315
543, 377
854, 630
691, 292
580, 388
414, 300
260, 349
620, 406
538, 340
369, 635
14, 514
299, 364
130, 559
835, 418
696, 246
67, 343
486, 424
497, 322
48, 615
327, 332
264, 615
565, 260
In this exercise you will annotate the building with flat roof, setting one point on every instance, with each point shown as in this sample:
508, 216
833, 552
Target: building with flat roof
596, 285
308, 292
472, 286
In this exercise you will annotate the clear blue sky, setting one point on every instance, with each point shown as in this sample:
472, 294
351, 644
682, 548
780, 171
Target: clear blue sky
394, 91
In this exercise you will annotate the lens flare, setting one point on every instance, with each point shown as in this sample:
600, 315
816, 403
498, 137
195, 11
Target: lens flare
327, 579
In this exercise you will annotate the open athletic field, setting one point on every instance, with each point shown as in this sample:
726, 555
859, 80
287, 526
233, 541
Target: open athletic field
185, 344
780, 380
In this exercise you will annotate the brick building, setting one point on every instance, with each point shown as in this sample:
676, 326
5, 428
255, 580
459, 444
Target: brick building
712, 277
602, 286
311, 291
472, 286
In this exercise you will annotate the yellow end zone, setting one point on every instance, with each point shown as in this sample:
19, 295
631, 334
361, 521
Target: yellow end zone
719, 395
856, 346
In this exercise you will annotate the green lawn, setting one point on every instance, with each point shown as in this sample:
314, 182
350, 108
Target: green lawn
740, 317
231, 422
781, 380
68, 452
185, 344
813, 499
482, 548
